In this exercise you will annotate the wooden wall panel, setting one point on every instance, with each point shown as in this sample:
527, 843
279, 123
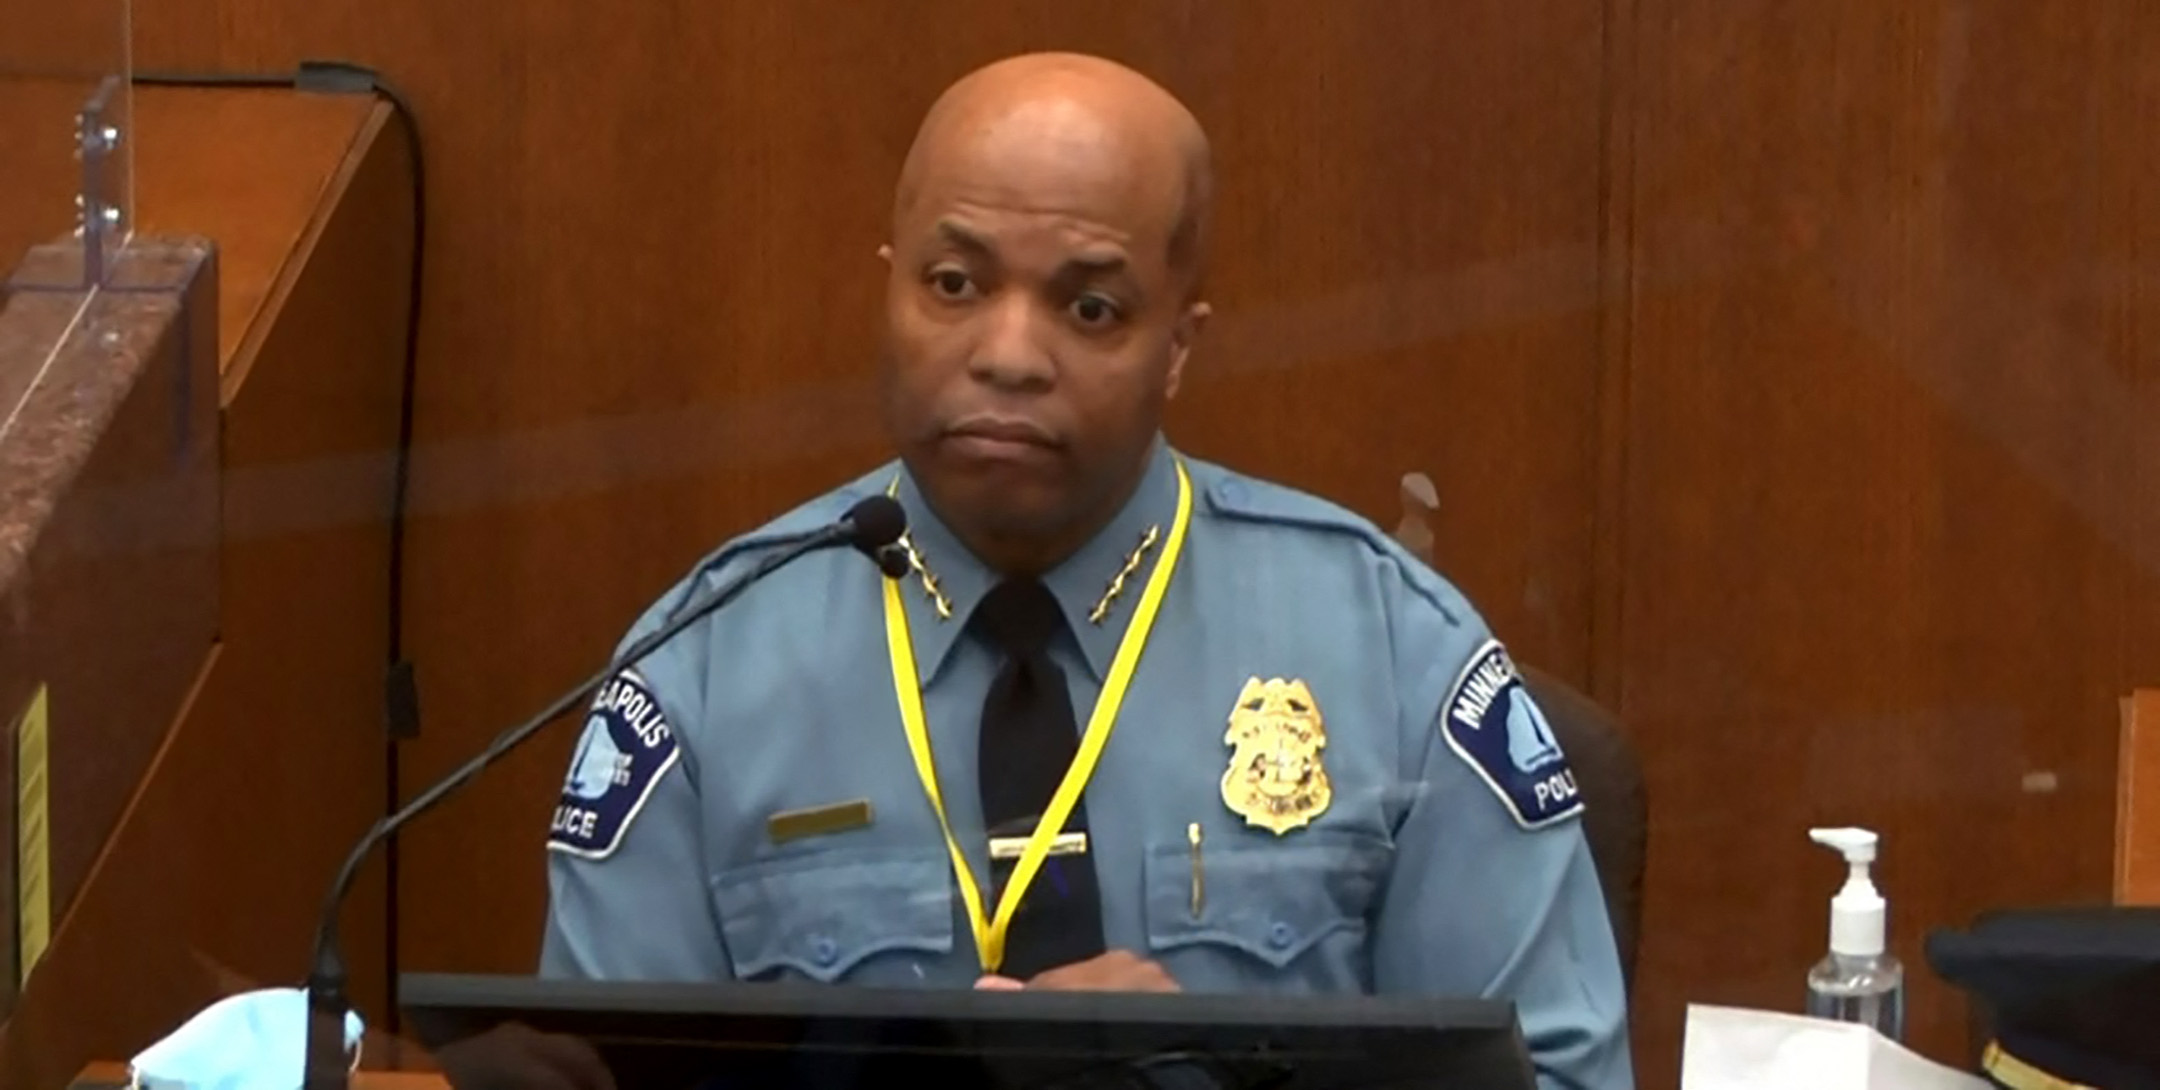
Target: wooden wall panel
2133, 310
53, 59
1879, 530
87, 39
1408, 281
654, 299
42, 178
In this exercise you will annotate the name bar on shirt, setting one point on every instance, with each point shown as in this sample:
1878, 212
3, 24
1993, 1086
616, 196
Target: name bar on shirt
1007, 848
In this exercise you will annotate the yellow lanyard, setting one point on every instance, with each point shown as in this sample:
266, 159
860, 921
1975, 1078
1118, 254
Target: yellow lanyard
990, 933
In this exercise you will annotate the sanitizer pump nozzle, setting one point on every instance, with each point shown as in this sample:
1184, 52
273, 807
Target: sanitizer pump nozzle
1856, 913
1858, 982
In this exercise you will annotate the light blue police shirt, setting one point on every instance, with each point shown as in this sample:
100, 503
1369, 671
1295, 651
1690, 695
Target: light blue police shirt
1449, 859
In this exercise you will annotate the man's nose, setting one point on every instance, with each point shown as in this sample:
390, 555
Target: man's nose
1011, 353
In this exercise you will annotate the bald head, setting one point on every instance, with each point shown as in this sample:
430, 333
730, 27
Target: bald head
1060, 123
1042, 297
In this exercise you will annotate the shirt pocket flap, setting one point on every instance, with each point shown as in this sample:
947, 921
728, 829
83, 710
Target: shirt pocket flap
1272, 901
822, 915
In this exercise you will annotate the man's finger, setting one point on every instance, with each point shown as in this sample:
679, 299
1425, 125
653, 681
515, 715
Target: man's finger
574, 1060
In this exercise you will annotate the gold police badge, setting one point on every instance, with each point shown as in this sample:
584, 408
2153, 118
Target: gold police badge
1275, 780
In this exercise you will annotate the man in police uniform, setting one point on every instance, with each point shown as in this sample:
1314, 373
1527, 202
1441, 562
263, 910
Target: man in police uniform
1131, 721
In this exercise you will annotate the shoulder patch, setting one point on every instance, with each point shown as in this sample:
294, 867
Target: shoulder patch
627, 747
1491, 723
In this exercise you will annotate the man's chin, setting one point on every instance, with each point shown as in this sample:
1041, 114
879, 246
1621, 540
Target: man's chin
999, 506
1014, 514
1015, 473
1009, 498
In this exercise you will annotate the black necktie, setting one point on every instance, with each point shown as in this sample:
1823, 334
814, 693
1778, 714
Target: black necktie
1028, 742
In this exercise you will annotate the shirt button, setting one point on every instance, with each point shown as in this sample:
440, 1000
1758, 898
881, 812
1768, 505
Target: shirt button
824, 951
1281, 935
1230, 492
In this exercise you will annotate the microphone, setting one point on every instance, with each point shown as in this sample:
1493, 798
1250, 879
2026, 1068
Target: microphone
871, 526
892, 560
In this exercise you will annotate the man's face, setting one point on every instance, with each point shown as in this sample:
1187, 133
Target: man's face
1035, 329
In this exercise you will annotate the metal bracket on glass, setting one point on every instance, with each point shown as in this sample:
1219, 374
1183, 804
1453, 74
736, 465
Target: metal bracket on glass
100, 209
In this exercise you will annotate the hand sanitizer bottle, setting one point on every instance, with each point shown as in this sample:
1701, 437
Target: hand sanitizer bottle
1858, 982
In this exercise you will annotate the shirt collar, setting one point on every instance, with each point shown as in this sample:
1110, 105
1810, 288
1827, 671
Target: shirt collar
1082, 584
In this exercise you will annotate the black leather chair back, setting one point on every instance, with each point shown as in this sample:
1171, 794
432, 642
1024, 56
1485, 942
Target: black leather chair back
1616, 810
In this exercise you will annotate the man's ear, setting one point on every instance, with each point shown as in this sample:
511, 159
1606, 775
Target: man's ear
1182, 336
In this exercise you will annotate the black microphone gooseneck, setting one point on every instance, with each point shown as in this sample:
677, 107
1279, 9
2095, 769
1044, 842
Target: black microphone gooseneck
871, 526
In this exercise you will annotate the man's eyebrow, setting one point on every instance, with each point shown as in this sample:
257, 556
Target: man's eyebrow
1094, 264
962, 238
1078, 266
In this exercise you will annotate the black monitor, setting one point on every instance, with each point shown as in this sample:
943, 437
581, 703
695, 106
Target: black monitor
782, 1036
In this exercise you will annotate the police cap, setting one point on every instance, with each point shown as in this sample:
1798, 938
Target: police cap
2071, 996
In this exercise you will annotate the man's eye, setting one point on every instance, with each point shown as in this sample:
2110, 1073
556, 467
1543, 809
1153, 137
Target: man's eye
951, 284
1095, 310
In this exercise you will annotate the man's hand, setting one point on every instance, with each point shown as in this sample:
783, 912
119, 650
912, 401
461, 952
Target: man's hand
1116, 971
516, 1057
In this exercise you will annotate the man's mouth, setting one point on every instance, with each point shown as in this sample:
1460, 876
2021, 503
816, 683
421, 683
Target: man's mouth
1000, 437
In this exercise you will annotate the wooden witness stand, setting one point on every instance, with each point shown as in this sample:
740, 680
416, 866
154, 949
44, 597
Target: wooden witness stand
192, 840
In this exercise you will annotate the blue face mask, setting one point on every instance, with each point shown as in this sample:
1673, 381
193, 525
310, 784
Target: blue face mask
251, 1041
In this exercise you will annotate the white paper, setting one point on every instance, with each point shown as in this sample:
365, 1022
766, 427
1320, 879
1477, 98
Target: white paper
1728, 1048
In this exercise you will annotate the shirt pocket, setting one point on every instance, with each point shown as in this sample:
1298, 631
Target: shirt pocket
825, 916
1289, 913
